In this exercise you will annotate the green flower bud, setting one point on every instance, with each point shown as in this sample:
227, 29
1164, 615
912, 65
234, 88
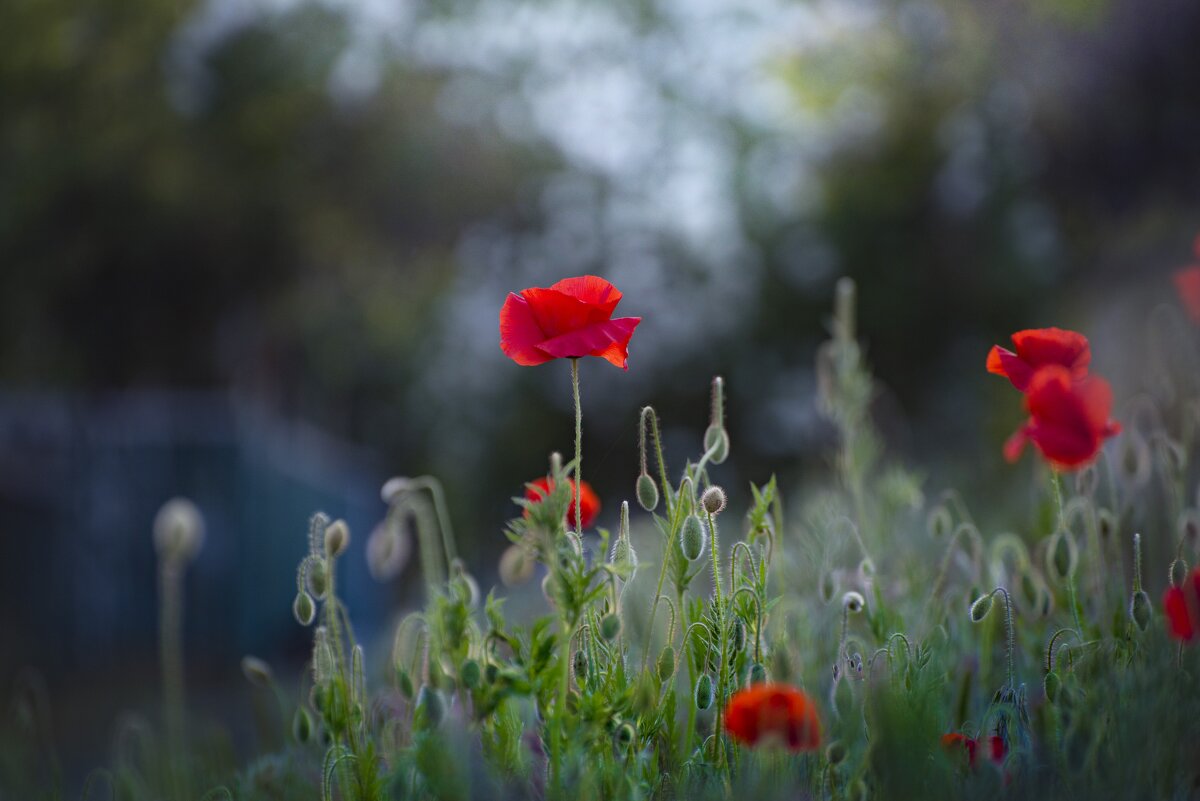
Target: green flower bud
939, 523
1052, 684
853, 602
404, 683
1062, 555
318, 576
302, 725
828, 586
257, 672
1178, 572
666, 663
981, 607
716, 439
758, 673
713, 500
470, 673
303, 608
579, 667
693, 538
430, 710
647, 492
738, 635
610, 626
337, 538
491, 672
836, 752
704, 692
626, 734
857, 791
1140, 610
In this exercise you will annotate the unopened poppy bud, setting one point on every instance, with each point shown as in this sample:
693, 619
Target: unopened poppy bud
393, 488
318, 576
835, 752
828, 586
1189, 528
1140, 610
257, 672
464, 584
337, 538
666, 663
1086, 480
738, 635
404, 683
178, 530
704, 692
430, 708
693, 538
716, 442
322, 659
1062, 555
516, 566
303, 608
939, 522
758, 673
610, 626
866, 570
302, 725
853, 602
491, 672
1106, 524
1052, 684
470, 673
647, 492
1178, 572
548, 590
556, 463
626, 734
981, 607
579, 667
713, 500
387, 551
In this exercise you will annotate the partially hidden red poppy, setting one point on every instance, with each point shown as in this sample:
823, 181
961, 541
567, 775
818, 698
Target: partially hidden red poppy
1068, 419
1040, 347
766, 713
1182, 608
571, 319
997, 747
589, 502
1187, 285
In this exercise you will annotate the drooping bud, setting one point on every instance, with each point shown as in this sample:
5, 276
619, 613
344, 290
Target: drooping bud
939, 523
1140, 610
1062, 555
835, 752
337, 538
857, 791
430, 709
828, 587
716, 438
666, 663
322, 659
758, 673
853, 602
1106, 524
393, 488
516, 566
647, 492
302, 725
470, 673
579, 667
981, 607
737, 635
1178, 572
318, 576
693, 538
388, 549
1189, 528
1052, 684
178, 530
404, 683
610, 626
704, 692
257, 672
713, 500
464, 584
303, 608
625, 734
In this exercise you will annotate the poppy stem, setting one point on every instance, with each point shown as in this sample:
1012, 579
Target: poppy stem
578, 447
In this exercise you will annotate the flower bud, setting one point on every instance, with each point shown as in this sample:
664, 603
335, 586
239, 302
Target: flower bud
828, 586
981, 607
302, 725
470, 673
516, 566
404, 683
610, 626
318, 576
1052, 684
713, 500
322, 659
693, 538
1062, 555
393, 488
716, 441
257, 672
939, 523
1178, 572
388, 550
1140, 610
758, 673
580, 666
1106, 524
303, 608
430, 710
835, 752
1189, 528
853, 602
337, 538
738, 635
625, 734
178, 530
666, 663
647, 492
704, 692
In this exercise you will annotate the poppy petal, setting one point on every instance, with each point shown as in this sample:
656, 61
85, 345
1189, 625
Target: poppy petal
1179, 622
520, 332
558, 314
592, 290
608, 340
1014, 446
1039, 347
1187, 285
1006, 363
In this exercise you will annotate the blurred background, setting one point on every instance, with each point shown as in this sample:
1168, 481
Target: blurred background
253, 252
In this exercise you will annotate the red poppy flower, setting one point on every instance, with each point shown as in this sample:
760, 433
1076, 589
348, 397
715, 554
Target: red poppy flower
774, 712
997, 747
1040, 347
569, 320
589, 502
1068, 419
1182, 608
1187, 285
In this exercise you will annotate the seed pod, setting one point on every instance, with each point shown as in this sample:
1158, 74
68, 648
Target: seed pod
693, 538
981, 607
337, 538
666, 663
704, 692
610, 626
626, 734
647, 493
302, 725
716, 439
430, 710
257, 672
836, 752
1140, 610
853, 602
303, 608
470, 673
713, 500
758, 673
737, 635
1052, 684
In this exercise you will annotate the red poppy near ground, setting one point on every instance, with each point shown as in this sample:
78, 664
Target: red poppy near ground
763, 713
1187, 285
1040, 347
997, 747
589, 502
571, 319
1182, 608
1068, 419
